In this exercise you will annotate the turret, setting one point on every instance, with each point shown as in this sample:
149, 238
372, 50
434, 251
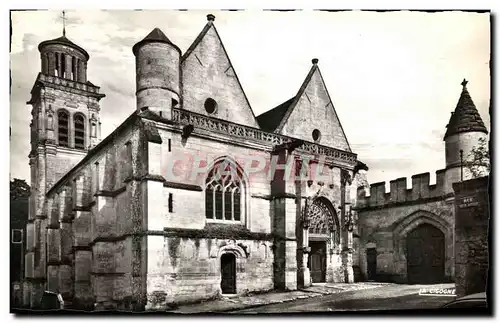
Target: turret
464, 132
157, 62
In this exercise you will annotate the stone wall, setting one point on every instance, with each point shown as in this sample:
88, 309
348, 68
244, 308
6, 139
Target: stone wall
185, 269
92, 217
472, 230
385, 227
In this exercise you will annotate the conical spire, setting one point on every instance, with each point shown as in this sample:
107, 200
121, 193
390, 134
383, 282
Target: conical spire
155, 36
465, 118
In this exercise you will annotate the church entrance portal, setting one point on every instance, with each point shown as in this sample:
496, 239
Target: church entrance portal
228, 273
425, 255
317, 261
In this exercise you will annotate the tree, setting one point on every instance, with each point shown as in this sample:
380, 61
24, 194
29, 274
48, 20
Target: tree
478, 160
19, 189
19, 205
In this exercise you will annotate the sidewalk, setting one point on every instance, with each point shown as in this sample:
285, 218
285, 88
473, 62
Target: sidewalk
227, 304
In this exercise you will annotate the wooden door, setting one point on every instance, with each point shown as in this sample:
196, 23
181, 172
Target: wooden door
228, 273
317, 262
371, 263
425, 255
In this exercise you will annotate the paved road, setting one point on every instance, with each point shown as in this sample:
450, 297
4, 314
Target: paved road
382, 298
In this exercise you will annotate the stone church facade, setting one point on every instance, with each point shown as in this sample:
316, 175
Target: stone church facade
408, 235
167, 208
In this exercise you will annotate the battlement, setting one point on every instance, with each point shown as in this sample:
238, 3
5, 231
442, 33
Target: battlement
398, 193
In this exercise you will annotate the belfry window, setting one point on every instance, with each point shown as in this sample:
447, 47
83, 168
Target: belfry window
62, 128
224, 187
63, 66
73, 68
79, 132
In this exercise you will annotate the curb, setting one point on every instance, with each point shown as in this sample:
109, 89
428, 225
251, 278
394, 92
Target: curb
249, 306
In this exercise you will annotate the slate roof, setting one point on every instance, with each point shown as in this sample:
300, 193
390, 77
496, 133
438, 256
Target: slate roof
155, 36
269, 121
63, 40
465, 118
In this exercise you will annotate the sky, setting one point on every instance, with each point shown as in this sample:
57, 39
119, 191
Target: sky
393, 77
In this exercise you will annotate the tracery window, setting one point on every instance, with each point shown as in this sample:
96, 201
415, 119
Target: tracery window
79, 132
224, 187
62, 128
322, 219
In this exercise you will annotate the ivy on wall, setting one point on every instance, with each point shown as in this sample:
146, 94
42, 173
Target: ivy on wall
220, 231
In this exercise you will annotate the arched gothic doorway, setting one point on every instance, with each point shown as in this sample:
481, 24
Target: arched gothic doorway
323, 235
425, 255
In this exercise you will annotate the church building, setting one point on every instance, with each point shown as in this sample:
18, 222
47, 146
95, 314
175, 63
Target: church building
192, 196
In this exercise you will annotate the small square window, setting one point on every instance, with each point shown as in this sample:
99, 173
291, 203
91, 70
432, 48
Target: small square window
17, 236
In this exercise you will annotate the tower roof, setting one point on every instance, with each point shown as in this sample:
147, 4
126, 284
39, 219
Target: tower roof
63, 40
155, 36
465, 118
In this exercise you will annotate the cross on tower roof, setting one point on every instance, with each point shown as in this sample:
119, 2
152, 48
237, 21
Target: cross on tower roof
64, 22
464, 82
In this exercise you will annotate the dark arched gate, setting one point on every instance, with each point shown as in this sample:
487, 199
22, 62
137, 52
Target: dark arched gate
425, 255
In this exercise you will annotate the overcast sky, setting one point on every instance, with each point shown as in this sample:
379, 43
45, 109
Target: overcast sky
394, 77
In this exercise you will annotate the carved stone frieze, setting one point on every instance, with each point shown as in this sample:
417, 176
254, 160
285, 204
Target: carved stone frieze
247, 133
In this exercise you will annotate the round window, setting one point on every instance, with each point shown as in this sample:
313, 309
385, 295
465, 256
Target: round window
210, 105
316, 135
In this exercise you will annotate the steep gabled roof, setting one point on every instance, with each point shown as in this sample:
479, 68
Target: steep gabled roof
198, 40
210, 24
465, 118
284, 110
269, 121
302, 88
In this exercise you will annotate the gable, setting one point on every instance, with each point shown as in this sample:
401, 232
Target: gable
207, 72
313, 110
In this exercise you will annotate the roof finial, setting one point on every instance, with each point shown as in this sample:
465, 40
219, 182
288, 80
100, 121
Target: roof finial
315, 61
464, 83
64, 22
210, 17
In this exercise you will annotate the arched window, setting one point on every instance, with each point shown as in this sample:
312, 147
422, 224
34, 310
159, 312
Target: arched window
79, 132
224, 187
62, 128
57, 64
63, 66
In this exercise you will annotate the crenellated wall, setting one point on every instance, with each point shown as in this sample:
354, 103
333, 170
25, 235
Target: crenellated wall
385, 219
399, 193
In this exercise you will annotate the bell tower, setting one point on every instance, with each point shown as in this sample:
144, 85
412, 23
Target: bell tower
65, 122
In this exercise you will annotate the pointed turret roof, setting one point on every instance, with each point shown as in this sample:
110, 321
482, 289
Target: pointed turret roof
155, 36
465, 118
